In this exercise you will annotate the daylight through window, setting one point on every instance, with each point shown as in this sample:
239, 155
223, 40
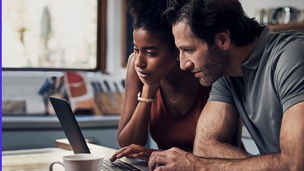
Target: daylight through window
49, 34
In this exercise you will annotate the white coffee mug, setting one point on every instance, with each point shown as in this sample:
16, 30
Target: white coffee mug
80, 162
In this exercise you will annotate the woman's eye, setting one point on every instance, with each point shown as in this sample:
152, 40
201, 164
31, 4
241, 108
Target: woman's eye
136, 50
151, 53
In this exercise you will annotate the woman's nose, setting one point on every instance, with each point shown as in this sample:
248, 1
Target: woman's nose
140, 61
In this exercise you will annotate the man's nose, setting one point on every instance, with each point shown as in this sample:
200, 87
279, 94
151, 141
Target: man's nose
184, 63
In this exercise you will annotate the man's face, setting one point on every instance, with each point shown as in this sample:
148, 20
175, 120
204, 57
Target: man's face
207, 63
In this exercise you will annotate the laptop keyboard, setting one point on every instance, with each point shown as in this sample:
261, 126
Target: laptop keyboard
117, 165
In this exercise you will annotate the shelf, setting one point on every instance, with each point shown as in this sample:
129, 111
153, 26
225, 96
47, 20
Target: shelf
52, 122
291, 26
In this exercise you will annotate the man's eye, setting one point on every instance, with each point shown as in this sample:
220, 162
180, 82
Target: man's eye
189, 50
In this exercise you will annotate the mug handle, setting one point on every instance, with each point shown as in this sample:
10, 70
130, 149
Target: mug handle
52, 164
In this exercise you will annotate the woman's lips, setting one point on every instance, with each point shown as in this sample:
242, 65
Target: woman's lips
143, 75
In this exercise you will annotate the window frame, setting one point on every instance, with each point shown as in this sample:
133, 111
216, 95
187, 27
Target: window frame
100, 50
127, 35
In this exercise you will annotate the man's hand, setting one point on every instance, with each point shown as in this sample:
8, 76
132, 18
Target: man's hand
133, 151
173, 159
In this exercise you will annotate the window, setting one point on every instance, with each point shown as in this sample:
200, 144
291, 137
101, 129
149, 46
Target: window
53, 34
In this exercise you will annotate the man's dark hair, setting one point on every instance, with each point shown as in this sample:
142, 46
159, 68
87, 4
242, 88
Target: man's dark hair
147, 14
206, 18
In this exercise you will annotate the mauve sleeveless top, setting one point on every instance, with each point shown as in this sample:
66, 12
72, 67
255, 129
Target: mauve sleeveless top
168, 131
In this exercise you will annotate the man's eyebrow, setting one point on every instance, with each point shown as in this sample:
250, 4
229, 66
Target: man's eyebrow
184, 47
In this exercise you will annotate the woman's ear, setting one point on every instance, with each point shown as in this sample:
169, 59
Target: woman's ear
223, 40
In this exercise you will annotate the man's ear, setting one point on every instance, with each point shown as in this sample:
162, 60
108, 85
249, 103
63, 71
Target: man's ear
222, 40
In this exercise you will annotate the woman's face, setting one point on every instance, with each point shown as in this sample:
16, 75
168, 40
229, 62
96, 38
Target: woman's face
153, 57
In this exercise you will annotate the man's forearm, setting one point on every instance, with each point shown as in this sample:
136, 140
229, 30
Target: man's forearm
219, 150
275, 162
218, 132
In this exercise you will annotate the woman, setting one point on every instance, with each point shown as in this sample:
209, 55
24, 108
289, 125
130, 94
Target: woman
159, 96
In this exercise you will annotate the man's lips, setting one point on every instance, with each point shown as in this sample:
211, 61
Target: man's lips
198, 74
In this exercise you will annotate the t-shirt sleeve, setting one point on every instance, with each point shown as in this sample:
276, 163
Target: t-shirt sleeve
220, 92
289, 74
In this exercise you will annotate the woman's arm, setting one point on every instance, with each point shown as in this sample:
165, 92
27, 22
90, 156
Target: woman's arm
133, 124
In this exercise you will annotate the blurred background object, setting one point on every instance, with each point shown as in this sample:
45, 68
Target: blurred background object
79, 93
285, 15
280, 15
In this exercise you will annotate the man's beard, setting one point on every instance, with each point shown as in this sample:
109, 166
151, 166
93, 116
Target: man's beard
215, 66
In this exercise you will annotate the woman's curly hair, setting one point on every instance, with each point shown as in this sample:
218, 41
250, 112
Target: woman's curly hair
147, 14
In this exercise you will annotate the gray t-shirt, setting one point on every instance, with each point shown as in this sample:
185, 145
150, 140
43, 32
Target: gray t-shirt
273, 81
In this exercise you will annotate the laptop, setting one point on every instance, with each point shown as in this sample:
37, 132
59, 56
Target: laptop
75, 137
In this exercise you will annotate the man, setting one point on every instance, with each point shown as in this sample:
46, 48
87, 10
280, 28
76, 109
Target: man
255, 74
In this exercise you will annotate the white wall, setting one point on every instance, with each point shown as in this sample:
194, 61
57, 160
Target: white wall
114, 41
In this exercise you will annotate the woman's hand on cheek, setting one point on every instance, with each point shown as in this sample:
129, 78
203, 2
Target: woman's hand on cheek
149, 90
148, 82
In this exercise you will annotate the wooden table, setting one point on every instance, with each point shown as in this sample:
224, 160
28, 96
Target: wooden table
32, 160
40, 159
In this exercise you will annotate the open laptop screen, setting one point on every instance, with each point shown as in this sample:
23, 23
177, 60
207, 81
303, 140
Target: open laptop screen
69, 124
